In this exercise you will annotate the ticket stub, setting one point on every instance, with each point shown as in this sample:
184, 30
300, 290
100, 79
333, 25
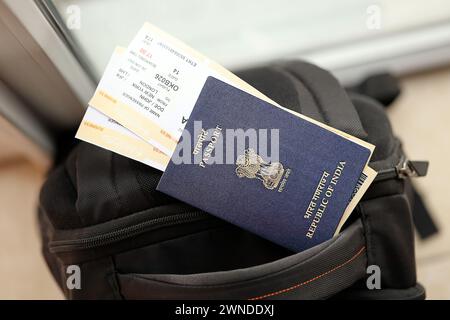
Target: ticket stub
153, 89
98, 129
102, 131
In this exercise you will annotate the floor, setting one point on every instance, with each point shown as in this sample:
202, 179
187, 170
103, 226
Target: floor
420, 118
23, 273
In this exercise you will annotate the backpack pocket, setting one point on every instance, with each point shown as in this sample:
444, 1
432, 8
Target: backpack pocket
312, 274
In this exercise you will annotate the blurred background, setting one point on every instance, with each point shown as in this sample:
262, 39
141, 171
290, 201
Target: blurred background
53, 53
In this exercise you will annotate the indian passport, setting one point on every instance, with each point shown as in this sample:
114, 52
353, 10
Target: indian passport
263, 169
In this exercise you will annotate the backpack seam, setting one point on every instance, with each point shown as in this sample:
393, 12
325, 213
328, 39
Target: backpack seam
299, 285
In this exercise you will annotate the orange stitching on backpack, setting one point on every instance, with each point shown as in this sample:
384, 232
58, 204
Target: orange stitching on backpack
360, 251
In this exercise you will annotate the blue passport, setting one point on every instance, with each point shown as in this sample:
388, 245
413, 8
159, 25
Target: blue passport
262, 168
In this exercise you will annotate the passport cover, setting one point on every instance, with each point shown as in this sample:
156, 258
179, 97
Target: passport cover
297, 201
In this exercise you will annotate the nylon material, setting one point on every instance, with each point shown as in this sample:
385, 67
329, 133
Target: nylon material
334, 104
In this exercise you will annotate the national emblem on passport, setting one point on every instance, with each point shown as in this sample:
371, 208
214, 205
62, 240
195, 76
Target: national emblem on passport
251, 165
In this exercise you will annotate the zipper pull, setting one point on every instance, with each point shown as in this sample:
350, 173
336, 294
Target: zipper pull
408, 168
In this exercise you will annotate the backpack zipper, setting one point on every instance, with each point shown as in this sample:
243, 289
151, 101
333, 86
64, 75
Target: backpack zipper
109, 237
404, 169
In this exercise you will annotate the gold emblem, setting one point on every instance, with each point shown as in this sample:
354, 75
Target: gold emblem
251, 165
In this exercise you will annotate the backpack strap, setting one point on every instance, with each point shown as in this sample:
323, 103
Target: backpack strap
310, 90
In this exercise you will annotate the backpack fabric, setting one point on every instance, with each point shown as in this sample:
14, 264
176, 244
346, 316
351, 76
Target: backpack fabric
101, 212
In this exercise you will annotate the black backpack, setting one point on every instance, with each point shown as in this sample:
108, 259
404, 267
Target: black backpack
100, 212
